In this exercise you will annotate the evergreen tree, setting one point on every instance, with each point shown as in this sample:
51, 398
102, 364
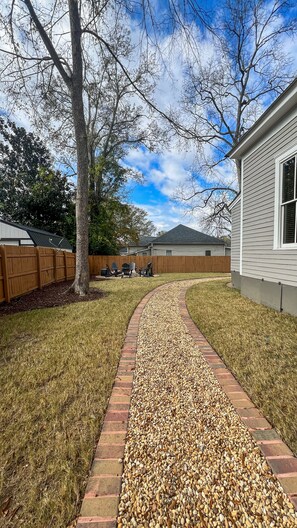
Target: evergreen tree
31, 191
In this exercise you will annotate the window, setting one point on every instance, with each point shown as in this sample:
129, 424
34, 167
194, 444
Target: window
288, 201
168, 252
208, 253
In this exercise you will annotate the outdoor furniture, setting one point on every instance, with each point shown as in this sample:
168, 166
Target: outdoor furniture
148, 272
114, 269
109, 273
126, 270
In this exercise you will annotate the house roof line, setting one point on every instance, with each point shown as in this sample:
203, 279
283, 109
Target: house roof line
41, 237
27, 228
235, 201
183, 235
277, 110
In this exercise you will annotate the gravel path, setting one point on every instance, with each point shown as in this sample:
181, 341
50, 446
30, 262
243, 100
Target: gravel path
189, 461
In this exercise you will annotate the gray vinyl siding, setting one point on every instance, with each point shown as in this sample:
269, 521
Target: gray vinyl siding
7, 231
13, 236
259, 259
189, 250
235, 240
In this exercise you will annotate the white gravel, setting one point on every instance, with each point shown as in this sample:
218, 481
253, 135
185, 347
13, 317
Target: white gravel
189, 461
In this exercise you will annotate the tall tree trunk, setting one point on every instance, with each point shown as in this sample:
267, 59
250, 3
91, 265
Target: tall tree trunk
81, 282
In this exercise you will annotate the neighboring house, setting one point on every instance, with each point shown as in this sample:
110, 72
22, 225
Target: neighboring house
264, 226
19, 235
227, 241
141, 248
179, 241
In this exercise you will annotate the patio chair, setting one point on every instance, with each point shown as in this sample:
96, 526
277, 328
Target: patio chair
108, 271
115, 269
148, 272
126, 270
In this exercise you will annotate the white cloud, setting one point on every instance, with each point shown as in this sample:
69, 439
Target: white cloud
167, 215
166, 171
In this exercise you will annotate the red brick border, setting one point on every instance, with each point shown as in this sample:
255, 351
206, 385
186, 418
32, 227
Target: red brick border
100, 504
278, 455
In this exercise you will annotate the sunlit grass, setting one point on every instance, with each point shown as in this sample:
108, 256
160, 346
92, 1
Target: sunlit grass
57, 370
258, 344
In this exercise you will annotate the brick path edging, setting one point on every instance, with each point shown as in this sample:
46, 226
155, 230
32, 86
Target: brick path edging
277, 454
100, 504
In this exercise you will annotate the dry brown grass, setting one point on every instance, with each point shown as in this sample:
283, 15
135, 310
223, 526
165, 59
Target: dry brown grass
258, 344
57, 367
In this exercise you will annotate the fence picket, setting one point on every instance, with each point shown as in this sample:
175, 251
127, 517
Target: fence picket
164, 264
24, 269
5, 273
38, 268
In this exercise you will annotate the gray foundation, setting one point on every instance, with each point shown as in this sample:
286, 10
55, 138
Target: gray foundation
289, 299
275, 295
236, 279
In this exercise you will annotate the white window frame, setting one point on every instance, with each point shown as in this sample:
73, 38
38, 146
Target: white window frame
168, 252
278, 209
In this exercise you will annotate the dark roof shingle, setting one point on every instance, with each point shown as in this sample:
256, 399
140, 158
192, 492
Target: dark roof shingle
42, 238
182, 235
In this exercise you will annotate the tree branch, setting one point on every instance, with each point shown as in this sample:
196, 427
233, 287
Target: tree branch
48, 43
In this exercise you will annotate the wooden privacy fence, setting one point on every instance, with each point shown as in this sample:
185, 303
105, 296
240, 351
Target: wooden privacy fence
164, 264
24, 269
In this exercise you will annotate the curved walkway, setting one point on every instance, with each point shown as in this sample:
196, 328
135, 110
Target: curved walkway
189, 457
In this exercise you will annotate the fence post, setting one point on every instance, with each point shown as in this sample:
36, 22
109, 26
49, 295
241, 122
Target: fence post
55, 264
38, 268
65, 265
5, 273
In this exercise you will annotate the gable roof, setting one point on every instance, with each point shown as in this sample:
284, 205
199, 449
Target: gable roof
42, 238
286, 102
143, 241
182, 235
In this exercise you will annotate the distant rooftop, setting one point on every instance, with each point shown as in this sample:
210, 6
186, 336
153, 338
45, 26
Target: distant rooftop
144, 241
182, 235
42, 238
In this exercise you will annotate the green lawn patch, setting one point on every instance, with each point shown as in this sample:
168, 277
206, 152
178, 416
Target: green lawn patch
258, 344
57, 367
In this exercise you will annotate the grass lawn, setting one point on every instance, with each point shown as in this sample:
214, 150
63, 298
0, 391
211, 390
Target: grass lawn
258, 344
57, 370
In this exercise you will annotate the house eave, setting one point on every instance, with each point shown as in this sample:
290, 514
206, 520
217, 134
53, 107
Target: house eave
189, 244
286, 102
235, 201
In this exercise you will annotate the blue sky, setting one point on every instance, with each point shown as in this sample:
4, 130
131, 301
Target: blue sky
162, 174
165, 171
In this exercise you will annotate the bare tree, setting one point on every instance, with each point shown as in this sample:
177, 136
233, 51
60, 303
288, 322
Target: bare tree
116, 121
245, 68
115, 118
36, 47
74, 70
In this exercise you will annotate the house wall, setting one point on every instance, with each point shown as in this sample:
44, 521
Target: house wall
268, 275
259, 259
190, 250
235, 244
13, 236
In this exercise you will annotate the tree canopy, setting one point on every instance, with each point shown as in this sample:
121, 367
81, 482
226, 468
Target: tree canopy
32, 192
113, 221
